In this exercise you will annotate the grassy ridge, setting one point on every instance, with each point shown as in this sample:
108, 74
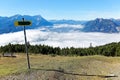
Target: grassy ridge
62, 67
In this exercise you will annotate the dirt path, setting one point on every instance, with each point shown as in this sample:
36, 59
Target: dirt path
115, 71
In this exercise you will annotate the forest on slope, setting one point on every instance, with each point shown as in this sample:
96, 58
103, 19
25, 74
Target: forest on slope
112, 49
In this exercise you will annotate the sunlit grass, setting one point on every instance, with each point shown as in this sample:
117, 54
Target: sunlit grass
95, 65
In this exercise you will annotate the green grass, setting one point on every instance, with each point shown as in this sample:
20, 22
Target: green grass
88, 65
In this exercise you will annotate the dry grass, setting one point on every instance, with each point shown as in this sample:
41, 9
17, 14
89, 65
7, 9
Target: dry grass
46, 67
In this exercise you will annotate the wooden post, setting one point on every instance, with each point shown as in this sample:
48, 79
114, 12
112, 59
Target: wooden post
26, 48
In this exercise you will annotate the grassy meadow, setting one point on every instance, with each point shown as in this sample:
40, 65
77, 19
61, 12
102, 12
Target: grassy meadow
48, 67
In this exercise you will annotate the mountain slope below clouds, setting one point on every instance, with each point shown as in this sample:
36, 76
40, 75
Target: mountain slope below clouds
7, 23
101, 25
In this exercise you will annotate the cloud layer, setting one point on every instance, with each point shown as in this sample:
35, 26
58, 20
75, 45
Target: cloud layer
67, 25
63, 39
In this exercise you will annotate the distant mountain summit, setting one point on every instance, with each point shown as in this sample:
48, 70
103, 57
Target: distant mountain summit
7, 23
101, 25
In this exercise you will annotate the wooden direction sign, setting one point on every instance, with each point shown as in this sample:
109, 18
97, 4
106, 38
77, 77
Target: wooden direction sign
22, 23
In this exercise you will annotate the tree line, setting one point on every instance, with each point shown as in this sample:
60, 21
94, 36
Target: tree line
112, 49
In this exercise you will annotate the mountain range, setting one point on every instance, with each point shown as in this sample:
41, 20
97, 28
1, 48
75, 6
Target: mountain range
7, 23
72, 22
97, 25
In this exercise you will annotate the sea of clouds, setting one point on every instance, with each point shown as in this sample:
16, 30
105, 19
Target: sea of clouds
60, 39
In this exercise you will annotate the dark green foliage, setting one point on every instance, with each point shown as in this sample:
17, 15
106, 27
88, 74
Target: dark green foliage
112, 49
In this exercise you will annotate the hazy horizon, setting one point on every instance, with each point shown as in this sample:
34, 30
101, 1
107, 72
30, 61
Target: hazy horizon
62, 9
61, 19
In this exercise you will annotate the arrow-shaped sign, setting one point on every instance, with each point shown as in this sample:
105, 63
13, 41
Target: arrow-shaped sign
22, 23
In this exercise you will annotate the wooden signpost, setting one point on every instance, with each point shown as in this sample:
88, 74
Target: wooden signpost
24, 23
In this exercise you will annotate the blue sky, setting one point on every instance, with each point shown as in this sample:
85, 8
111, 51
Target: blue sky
62, 9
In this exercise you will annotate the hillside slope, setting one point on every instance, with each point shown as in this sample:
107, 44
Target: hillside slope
60, 68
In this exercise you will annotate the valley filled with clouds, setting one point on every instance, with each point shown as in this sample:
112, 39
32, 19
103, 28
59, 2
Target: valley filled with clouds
60, 39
